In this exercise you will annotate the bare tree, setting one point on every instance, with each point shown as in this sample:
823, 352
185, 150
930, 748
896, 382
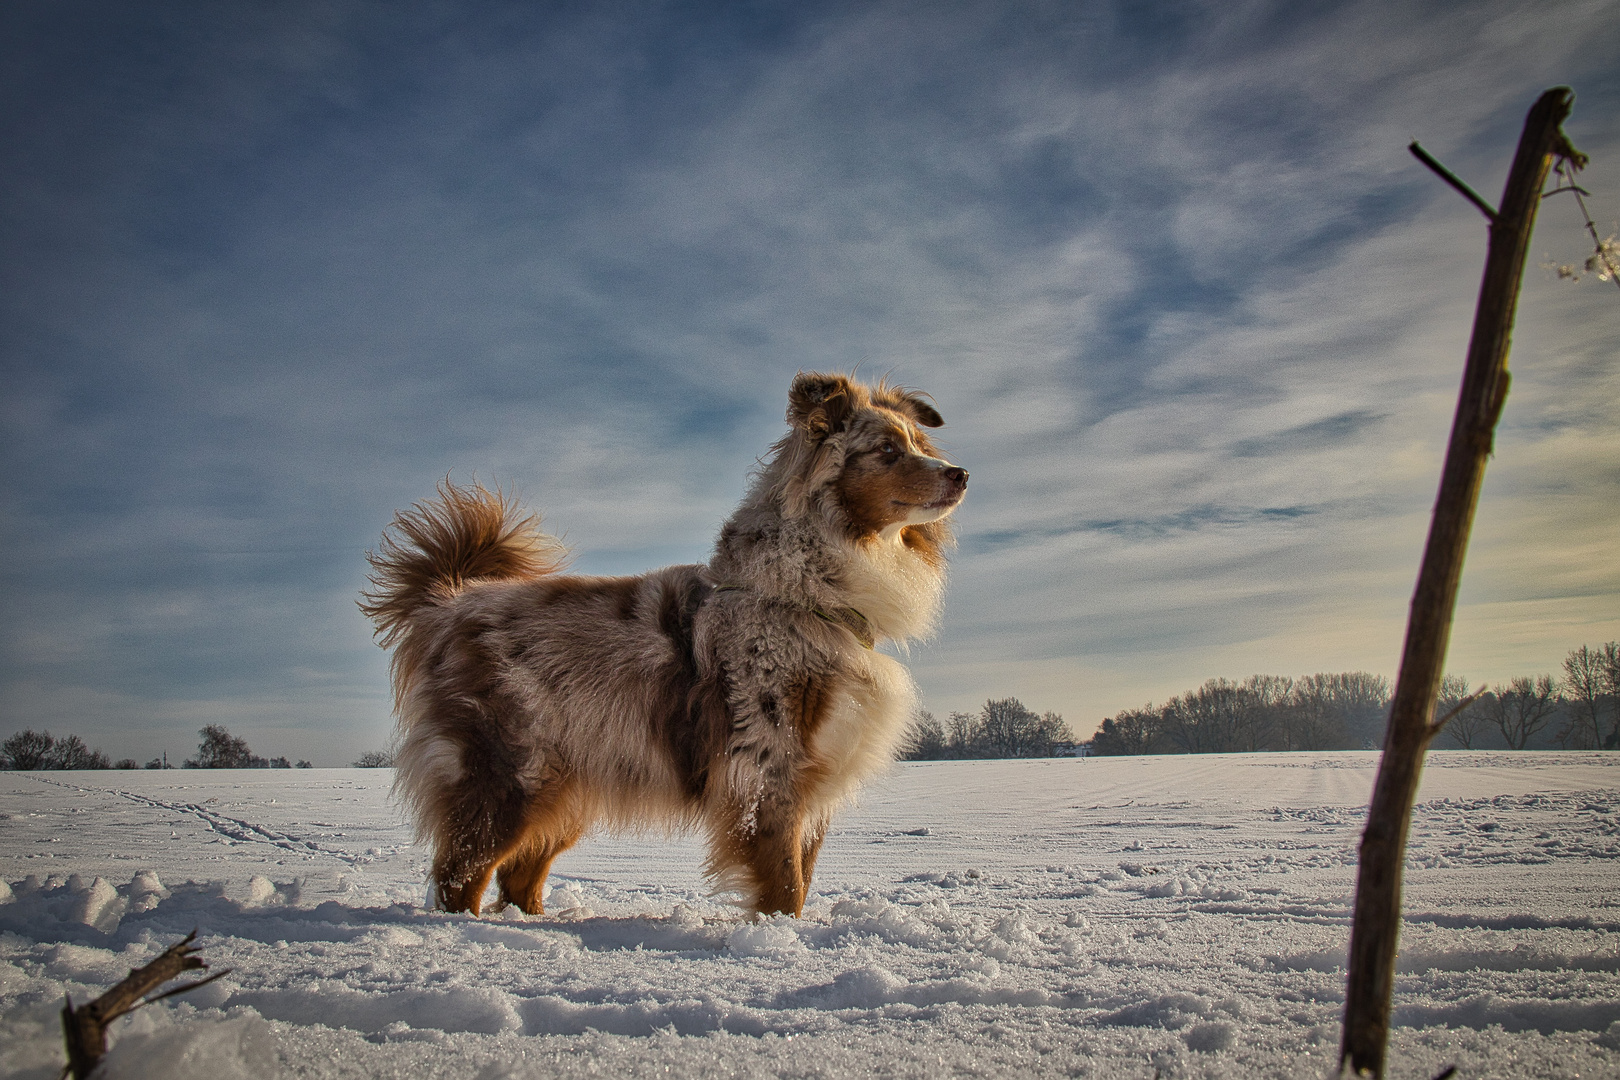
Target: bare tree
72, 753
1266, 724
1583, 686
42, 750
1363, 702
374, 759
1376, 920
219, 749
1208, 720
1611, 686
1011, 730
1468, 722
29, 749
1134, 731
1522, 707
1317, 723
962, 735
1002, 729
927, 742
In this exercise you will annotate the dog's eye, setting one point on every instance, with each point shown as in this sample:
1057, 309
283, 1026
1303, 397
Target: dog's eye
888, 450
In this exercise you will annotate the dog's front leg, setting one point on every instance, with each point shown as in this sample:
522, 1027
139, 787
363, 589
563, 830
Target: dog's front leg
775, 852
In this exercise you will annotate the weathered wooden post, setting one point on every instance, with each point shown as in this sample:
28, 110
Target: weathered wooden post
1375, 929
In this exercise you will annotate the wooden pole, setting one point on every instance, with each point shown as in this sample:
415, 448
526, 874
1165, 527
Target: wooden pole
1375, 930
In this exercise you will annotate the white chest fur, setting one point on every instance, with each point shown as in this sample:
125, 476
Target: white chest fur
863, 728
897, 590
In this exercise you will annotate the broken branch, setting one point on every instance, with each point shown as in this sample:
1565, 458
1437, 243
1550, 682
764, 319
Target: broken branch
1451, 178
1440, 725
85, 1026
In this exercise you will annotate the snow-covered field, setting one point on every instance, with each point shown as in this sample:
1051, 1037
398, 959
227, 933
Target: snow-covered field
1129, 917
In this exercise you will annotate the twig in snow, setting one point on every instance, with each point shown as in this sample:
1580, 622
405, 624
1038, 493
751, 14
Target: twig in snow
85, 1026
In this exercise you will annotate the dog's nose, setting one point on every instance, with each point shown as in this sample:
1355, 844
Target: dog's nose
957, 475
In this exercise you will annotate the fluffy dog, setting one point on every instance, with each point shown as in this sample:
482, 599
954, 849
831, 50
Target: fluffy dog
743, 697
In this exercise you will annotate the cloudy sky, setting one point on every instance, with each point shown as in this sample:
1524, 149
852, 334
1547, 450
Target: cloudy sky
1193, 315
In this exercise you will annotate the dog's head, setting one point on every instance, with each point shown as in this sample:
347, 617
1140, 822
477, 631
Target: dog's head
861, 456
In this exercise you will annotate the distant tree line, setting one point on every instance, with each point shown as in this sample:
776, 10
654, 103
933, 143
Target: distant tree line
42, 750
1579, 710
1348, 711
219, 749
1002, 729
1264, 712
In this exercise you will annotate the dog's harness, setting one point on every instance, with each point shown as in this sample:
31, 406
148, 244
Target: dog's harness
847, 617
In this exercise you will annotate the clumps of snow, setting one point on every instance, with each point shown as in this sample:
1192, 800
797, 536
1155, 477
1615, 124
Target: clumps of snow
96, 903
1325, 960
702, 1014
950, 879
260, 890
243, 1048
774, 938
464, 1008
1180, 885
400, 937
1491, 1010
567, 901
874, 917
1172, 1011
146, 892
1210, 1037
66, 901
866, 987
88, 964
517, 939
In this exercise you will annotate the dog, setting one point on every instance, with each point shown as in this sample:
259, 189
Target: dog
744, 697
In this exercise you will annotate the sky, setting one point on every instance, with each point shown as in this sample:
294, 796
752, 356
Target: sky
1193, 315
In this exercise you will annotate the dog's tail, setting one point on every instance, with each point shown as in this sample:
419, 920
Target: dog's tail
433, 550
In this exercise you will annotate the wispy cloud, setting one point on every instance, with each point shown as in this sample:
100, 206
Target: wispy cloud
1193, 316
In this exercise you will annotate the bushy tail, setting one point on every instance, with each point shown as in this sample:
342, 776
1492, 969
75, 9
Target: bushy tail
431, 551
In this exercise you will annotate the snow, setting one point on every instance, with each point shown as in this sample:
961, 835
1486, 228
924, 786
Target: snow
1115, 917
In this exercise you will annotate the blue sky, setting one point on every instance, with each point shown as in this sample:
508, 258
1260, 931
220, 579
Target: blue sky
1194, 318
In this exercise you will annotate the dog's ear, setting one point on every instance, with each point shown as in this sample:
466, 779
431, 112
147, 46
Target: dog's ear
909, 402
820, 404
922, 412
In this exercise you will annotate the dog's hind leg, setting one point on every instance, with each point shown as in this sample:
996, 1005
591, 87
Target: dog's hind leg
462, 872
555, 825
477, 831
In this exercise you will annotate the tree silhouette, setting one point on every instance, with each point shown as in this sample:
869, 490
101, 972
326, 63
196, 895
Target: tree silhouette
219, 749
1522, 708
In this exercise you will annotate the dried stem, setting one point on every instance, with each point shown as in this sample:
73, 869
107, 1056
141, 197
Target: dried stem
1567, 167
